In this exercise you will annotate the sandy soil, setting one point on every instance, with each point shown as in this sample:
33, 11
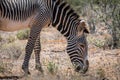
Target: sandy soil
104, 64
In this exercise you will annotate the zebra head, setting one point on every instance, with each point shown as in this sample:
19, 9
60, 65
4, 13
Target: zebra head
78, 49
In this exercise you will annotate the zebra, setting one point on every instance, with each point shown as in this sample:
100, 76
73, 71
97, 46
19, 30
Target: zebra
35, 14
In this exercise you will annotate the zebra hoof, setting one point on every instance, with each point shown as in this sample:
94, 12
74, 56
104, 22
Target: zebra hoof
26, 74
26, 71
39, 68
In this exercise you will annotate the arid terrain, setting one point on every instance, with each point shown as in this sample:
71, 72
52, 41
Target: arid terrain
104, 64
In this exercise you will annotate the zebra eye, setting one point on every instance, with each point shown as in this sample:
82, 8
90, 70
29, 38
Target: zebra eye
82, 45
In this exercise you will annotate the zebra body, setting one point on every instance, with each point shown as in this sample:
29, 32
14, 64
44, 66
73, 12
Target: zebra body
10, 25
18, 14
35, 14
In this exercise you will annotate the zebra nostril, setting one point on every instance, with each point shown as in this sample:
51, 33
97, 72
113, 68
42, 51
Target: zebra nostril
78, 68
81, 69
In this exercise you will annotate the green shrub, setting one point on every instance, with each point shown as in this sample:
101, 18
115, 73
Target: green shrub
22, 35
99, 43
52, 68
95, 41
2, 69
0, 38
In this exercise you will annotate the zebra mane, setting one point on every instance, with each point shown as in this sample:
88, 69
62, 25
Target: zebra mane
66, 3
63, 16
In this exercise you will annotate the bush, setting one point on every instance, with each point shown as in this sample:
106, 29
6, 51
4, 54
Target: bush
99, 43
95, 41
2, 69
52, 68
0, 38
22, 35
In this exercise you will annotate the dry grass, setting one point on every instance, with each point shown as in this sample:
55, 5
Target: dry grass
104, 64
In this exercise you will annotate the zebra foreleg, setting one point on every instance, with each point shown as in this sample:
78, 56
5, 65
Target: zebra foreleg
37, 49
34, 33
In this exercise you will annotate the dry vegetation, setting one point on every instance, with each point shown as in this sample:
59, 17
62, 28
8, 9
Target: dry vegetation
104, 60
104, 64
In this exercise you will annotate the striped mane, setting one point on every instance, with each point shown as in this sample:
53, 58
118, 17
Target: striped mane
63, 15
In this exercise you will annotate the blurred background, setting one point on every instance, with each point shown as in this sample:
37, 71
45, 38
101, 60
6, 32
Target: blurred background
103, 17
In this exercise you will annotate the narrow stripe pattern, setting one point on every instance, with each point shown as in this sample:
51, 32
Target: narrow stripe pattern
66, 21
17, 9
64, 17
60, 15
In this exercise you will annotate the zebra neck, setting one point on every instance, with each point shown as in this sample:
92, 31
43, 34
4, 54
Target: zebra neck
64, 17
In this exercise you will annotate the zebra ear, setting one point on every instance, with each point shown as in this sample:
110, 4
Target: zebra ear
84, 26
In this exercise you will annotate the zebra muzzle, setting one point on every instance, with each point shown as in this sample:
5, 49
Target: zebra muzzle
80, 69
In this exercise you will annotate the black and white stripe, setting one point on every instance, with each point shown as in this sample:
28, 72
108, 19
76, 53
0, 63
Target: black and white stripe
64, 17
17, 9
66, 21
55, 12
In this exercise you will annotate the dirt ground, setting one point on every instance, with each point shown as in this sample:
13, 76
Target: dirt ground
104, 64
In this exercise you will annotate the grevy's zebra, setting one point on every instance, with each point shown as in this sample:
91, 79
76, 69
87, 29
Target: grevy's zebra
35, 14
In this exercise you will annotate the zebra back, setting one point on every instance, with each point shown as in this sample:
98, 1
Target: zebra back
17, 9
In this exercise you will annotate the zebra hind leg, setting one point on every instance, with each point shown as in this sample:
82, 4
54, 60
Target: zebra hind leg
37, 49
29, 48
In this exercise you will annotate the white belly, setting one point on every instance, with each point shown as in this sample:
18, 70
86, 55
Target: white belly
10, 25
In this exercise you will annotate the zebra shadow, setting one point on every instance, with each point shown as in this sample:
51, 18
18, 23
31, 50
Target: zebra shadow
10, 77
